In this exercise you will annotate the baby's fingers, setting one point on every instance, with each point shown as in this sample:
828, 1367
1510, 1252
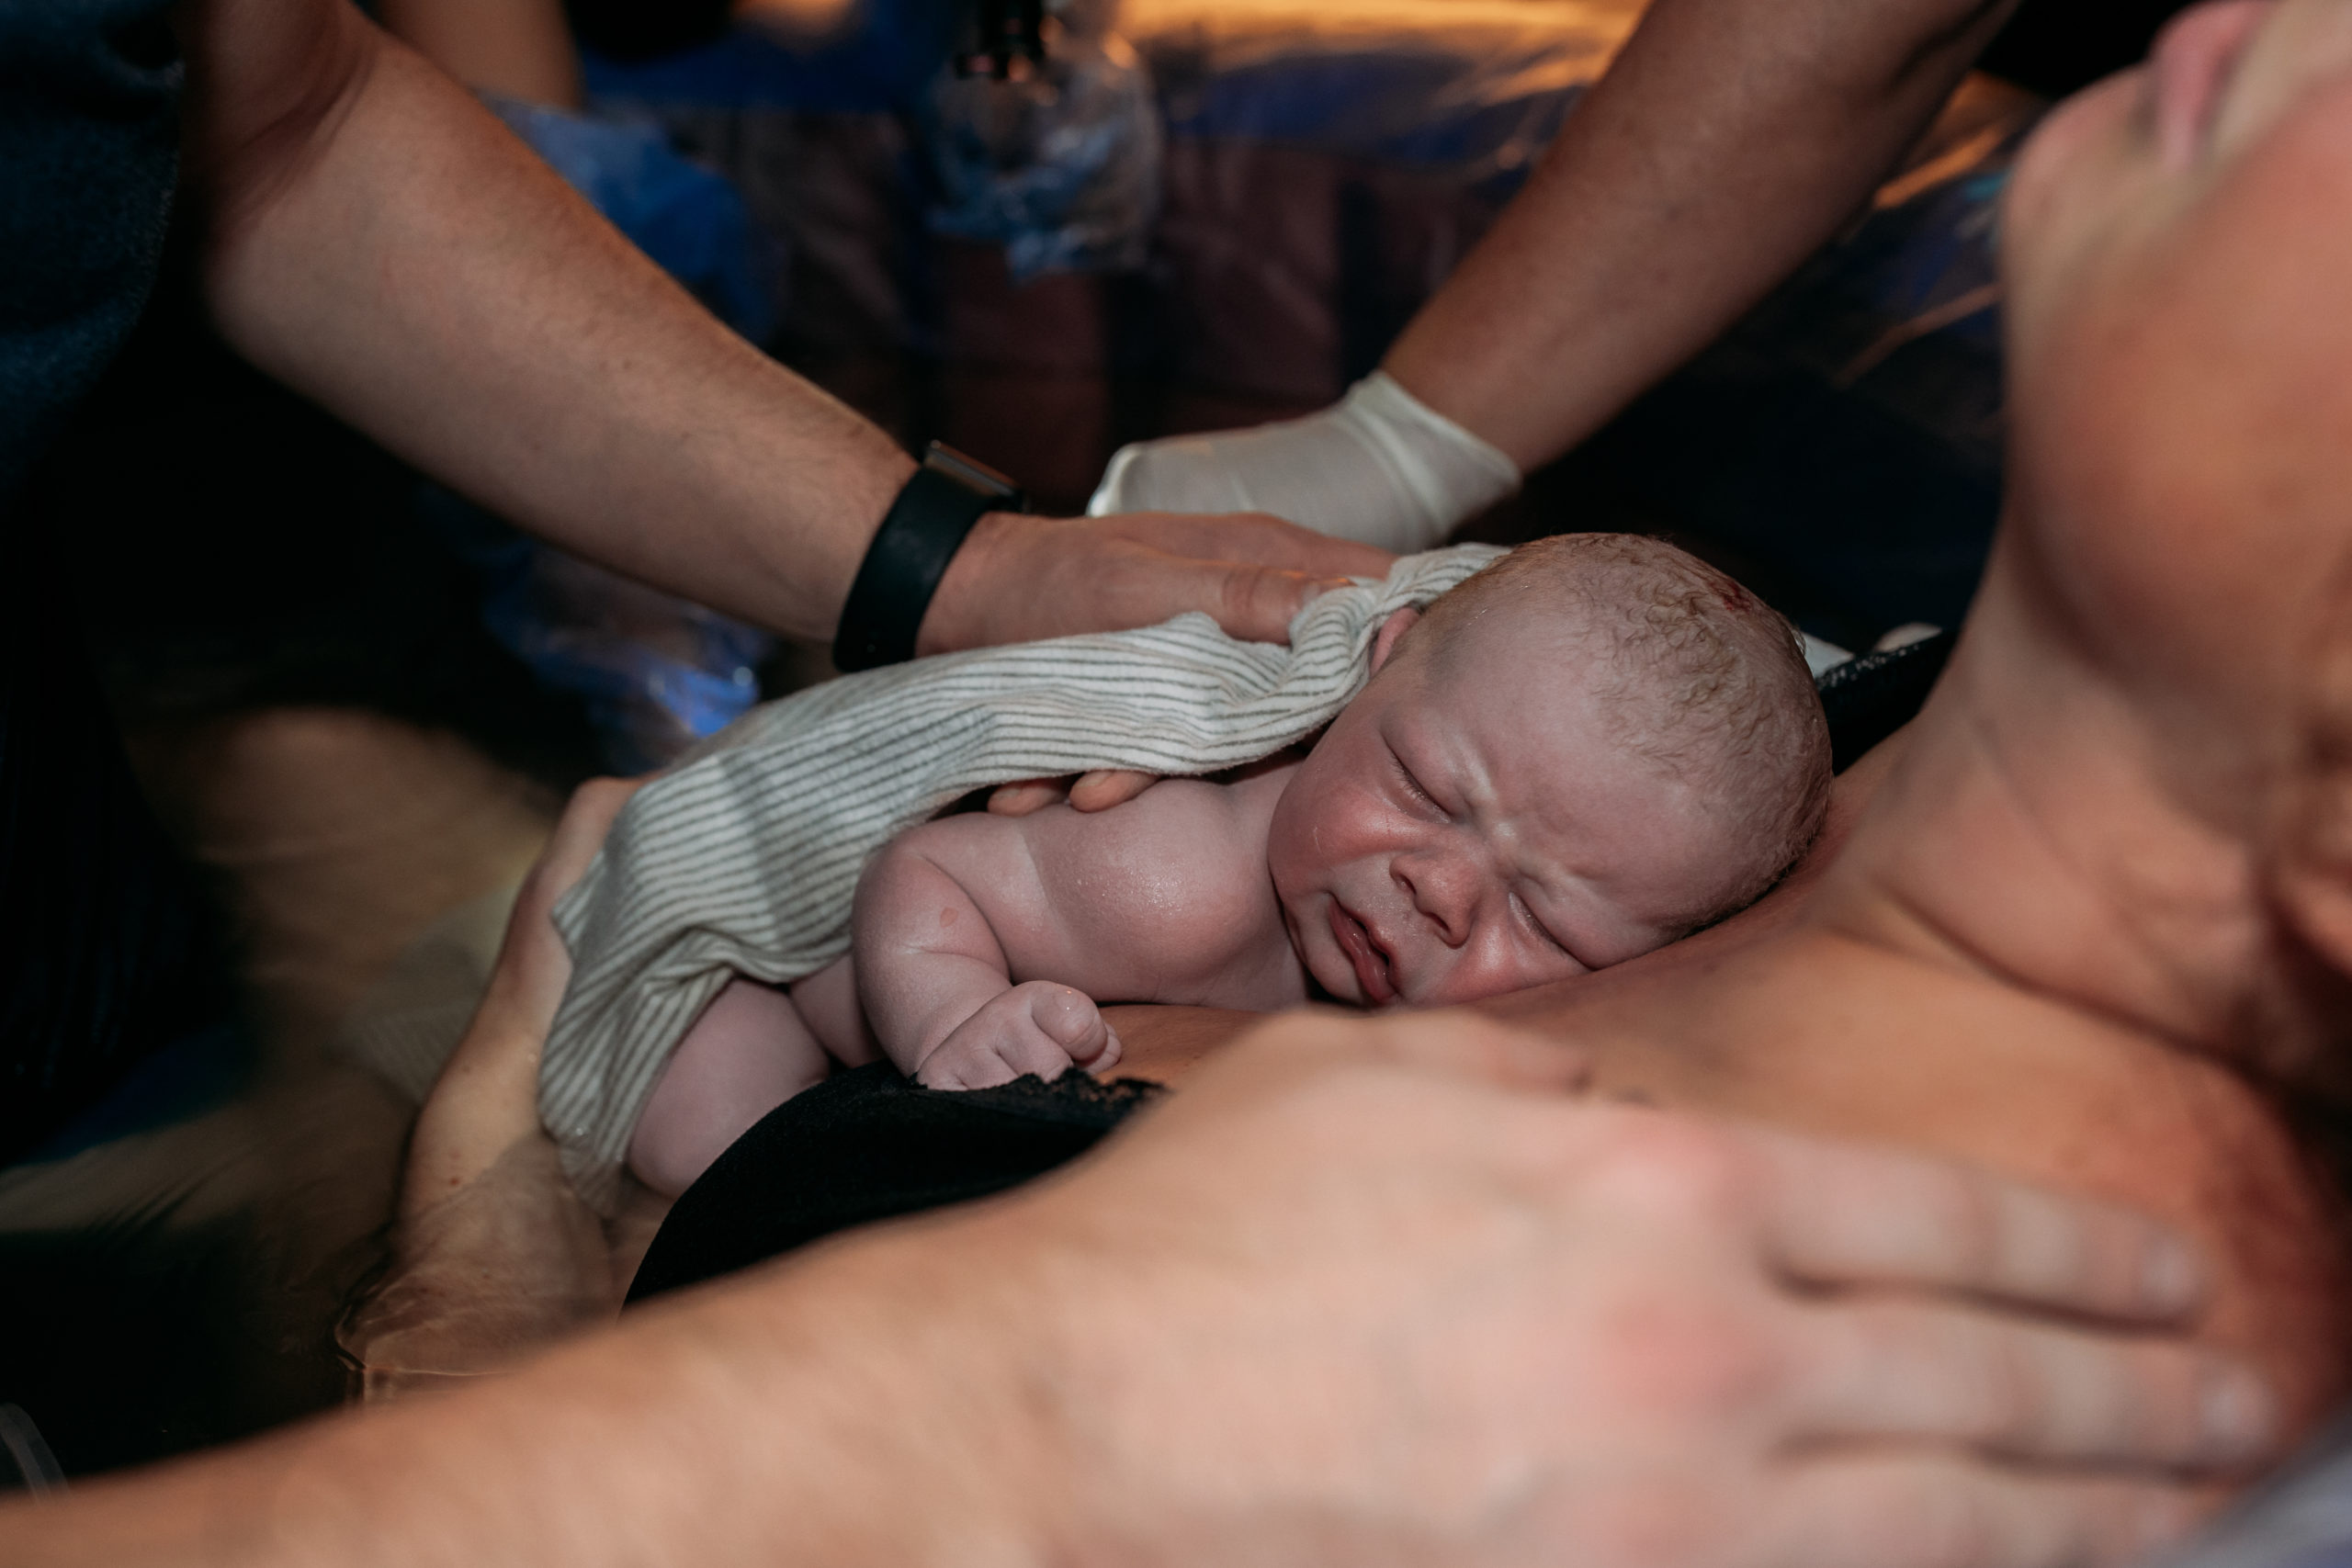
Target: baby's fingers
1072, 1022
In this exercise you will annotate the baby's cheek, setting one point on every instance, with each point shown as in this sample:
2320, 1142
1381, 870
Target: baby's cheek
1288, 850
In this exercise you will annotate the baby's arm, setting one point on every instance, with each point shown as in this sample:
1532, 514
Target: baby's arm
940, 914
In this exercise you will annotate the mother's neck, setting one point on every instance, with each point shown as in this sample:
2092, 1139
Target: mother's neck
2063, 828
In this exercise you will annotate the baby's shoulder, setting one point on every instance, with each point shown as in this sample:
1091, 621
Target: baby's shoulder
1181, 816
1163, 893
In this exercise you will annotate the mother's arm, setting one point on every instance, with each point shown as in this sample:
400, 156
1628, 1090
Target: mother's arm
1368, 1291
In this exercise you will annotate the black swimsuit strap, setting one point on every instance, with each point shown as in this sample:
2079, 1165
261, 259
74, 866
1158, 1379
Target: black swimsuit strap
869, 1145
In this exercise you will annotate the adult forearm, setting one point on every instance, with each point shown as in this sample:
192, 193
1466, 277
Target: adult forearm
380, 243
818, 1414
520, 48
1729, 140
1364, 1292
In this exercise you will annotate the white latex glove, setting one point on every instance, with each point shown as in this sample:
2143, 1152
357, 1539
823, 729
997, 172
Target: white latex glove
1377, 467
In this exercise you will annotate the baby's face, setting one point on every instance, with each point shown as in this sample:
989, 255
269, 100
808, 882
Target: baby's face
1458, 834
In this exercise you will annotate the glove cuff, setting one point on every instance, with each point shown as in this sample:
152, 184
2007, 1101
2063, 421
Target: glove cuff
1451, 473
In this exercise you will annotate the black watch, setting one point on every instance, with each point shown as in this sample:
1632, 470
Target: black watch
921, 533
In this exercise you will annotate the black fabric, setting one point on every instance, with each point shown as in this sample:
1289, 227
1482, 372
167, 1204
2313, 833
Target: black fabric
105, 953
1870, 698
2058, 47
644, 29
866, 1146
89, 113
104, 956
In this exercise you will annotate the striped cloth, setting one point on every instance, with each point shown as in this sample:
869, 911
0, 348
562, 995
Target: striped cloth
744, 858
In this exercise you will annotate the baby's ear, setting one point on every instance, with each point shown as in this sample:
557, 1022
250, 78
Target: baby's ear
1383, 641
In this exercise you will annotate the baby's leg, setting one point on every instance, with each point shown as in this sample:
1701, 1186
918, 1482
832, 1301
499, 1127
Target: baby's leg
747, 1053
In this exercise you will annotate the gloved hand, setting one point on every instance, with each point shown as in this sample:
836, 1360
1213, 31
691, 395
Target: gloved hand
1378, 466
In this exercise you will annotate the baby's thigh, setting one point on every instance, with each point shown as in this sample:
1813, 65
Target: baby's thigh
747, 1053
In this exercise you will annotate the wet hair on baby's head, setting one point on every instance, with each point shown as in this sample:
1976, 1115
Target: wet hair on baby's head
1696, 675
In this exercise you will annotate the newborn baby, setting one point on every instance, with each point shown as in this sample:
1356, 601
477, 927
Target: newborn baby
1593, 747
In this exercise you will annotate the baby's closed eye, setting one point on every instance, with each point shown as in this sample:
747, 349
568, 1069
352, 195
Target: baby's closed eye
1414, 790
1535, 928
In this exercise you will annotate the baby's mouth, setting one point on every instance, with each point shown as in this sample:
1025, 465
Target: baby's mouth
1371, 962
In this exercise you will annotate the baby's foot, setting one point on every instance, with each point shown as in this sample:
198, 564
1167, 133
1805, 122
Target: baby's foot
1037, 1027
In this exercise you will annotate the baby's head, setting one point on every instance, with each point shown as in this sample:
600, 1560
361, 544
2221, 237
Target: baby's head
1593, 747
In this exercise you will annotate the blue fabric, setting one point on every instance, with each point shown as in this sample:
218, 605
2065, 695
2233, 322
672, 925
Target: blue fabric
689, 219
89, 110
581, 629
1429, 107
191, 1076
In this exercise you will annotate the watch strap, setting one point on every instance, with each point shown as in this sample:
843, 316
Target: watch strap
920, 535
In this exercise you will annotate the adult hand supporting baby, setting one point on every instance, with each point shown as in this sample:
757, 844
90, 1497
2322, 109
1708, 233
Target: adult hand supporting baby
1097, 791
1019, 579
1398, 1297
1366, 1291
493, 1254
1253, 573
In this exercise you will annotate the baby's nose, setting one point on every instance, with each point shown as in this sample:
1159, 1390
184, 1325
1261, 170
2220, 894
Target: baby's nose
1445, 893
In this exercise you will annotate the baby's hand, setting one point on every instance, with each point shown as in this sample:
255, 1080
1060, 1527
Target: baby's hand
1037, 1027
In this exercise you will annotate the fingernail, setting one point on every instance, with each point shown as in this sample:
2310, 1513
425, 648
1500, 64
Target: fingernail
2238, 1416
2170, 1280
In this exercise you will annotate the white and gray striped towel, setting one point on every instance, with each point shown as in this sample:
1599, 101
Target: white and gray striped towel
744, 858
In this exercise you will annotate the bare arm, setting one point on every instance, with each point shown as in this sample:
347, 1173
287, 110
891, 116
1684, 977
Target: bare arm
1163, 897
1726, 142
376, 241
1728, 139
936, 913
1147, 1360
1423, 1351
380, 243
520, 48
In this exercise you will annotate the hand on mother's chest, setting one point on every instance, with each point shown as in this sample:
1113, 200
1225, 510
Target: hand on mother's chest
1773, 1018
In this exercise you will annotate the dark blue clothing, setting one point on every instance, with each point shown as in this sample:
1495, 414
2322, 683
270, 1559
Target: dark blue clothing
89, 122
102, 959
